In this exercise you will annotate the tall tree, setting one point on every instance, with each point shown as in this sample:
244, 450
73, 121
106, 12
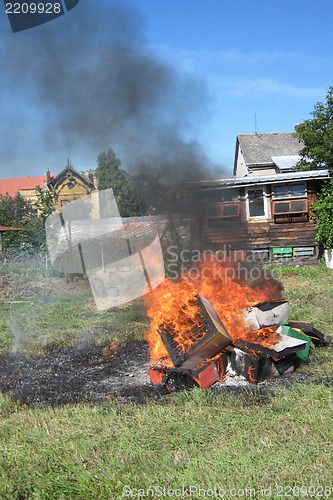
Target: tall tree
151, 191
110, 175
317, 135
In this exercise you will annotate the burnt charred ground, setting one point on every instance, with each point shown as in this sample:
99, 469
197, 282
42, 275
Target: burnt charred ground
57, 349
73, 432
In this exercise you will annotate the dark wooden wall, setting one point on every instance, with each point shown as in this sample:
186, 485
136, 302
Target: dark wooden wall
244, 234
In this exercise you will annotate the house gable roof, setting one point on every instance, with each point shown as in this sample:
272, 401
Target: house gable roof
66, 173
258, 149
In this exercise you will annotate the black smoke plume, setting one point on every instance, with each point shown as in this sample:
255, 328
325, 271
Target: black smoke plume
88, 81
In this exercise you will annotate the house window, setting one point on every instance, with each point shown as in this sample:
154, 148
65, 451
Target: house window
229, 195
224, 212
292, 206
290, 203
256, 205
289, 190
293, 210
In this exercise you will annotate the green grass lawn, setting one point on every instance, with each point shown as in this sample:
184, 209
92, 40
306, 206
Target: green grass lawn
238, 443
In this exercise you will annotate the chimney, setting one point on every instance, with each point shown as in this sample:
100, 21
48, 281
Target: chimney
48, 177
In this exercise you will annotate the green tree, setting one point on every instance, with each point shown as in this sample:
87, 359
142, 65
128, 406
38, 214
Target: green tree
18, 212
110, 175
150, 190
34, 235
45, 202
15, 212
317, 136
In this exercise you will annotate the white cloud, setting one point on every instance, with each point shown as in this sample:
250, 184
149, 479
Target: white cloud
249, 87
194, 59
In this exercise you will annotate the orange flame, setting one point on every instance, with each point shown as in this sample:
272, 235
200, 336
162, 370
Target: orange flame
251, 375
173, 306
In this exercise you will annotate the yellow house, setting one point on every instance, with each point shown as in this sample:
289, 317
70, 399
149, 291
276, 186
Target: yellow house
69, 185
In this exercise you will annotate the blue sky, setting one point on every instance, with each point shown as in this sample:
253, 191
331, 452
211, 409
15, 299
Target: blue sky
235, 67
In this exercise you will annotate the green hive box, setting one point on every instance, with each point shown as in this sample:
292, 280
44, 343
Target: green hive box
282, 252
291, 332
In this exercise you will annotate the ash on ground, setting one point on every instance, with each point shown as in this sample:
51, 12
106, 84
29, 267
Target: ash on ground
81, 373
96, 373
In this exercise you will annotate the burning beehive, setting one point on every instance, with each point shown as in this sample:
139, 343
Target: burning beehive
215, 325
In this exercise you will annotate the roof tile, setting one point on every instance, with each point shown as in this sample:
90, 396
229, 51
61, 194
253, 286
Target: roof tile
258, 149
14, 185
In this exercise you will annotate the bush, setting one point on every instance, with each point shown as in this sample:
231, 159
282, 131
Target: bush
322, 214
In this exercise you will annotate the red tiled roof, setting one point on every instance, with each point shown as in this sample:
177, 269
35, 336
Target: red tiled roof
13, 186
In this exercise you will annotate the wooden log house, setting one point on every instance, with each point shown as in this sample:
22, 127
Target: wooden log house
265, 211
